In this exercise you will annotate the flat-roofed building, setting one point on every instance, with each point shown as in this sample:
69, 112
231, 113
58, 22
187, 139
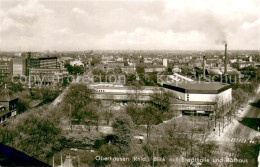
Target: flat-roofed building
43, 76
199, 95
18, 66
44, 71
165, 62
123, 93
201, 91
6, 68
154, 69
48, 62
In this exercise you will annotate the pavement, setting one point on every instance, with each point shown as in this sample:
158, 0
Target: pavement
244, 131
237, 130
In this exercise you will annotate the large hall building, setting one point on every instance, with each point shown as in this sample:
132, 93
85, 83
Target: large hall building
190, 96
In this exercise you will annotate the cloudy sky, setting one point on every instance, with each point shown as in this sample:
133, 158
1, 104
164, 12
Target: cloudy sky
39, 25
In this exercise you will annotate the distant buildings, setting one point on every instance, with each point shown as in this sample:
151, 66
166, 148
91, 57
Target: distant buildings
148, 60
44, 70
165, 62
153, 68
220, 71
42, 62
114, 65
18, 67
128, 69
76, 63
6, 68
106, 59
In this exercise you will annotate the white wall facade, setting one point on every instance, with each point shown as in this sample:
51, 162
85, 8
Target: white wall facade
222, 98
165, 64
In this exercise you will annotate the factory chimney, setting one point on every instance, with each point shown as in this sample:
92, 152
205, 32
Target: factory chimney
204, 76
225, 67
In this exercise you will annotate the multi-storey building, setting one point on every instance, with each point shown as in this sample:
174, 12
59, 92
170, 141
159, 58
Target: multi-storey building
44, 70
18, 66
48, 62
6, 68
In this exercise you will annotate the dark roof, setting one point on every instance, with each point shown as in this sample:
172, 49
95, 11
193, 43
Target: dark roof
46, 58
6, 95
12, 157
197, 87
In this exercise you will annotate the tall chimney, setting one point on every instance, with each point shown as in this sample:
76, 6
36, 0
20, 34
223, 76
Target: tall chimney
204, 76
225, 68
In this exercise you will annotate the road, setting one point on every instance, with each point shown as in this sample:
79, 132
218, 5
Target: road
244, 131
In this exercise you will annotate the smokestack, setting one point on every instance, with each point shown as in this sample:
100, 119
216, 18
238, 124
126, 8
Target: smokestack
225, 68
204, 76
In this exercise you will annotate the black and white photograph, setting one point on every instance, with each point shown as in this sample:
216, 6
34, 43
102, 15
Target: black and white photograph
129, 83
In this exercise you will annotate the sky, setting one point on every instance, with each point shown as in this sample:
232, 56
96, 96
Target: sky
76, 25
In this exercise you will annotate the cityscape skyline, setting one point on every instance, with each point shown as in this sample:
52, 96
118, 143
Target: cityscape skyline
121, 25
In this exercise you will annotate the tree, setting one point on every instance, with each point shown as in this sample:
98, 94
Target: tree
140, 68
135, 94
162, 99
35, 132
150, 117
239, 95
136, 113
49, 95
22, 105
78, 96
75, 70
15, 86
89, 115
123, 128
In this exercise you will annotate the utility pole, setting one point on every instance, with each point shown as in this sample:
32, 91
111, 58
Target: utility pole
70, 120
61, 160
153, 158
191, 141
53, 161
215, 118
78, 161
219, 128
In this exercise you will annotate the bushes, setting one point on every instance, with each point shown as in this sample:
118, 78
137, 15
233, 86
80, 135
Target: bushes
45, 94
35, 133
123, 128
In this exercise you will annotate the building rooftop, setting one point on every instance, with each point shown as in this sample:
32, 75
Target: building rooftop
197, 87
127, 87
6, 95
220, 71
